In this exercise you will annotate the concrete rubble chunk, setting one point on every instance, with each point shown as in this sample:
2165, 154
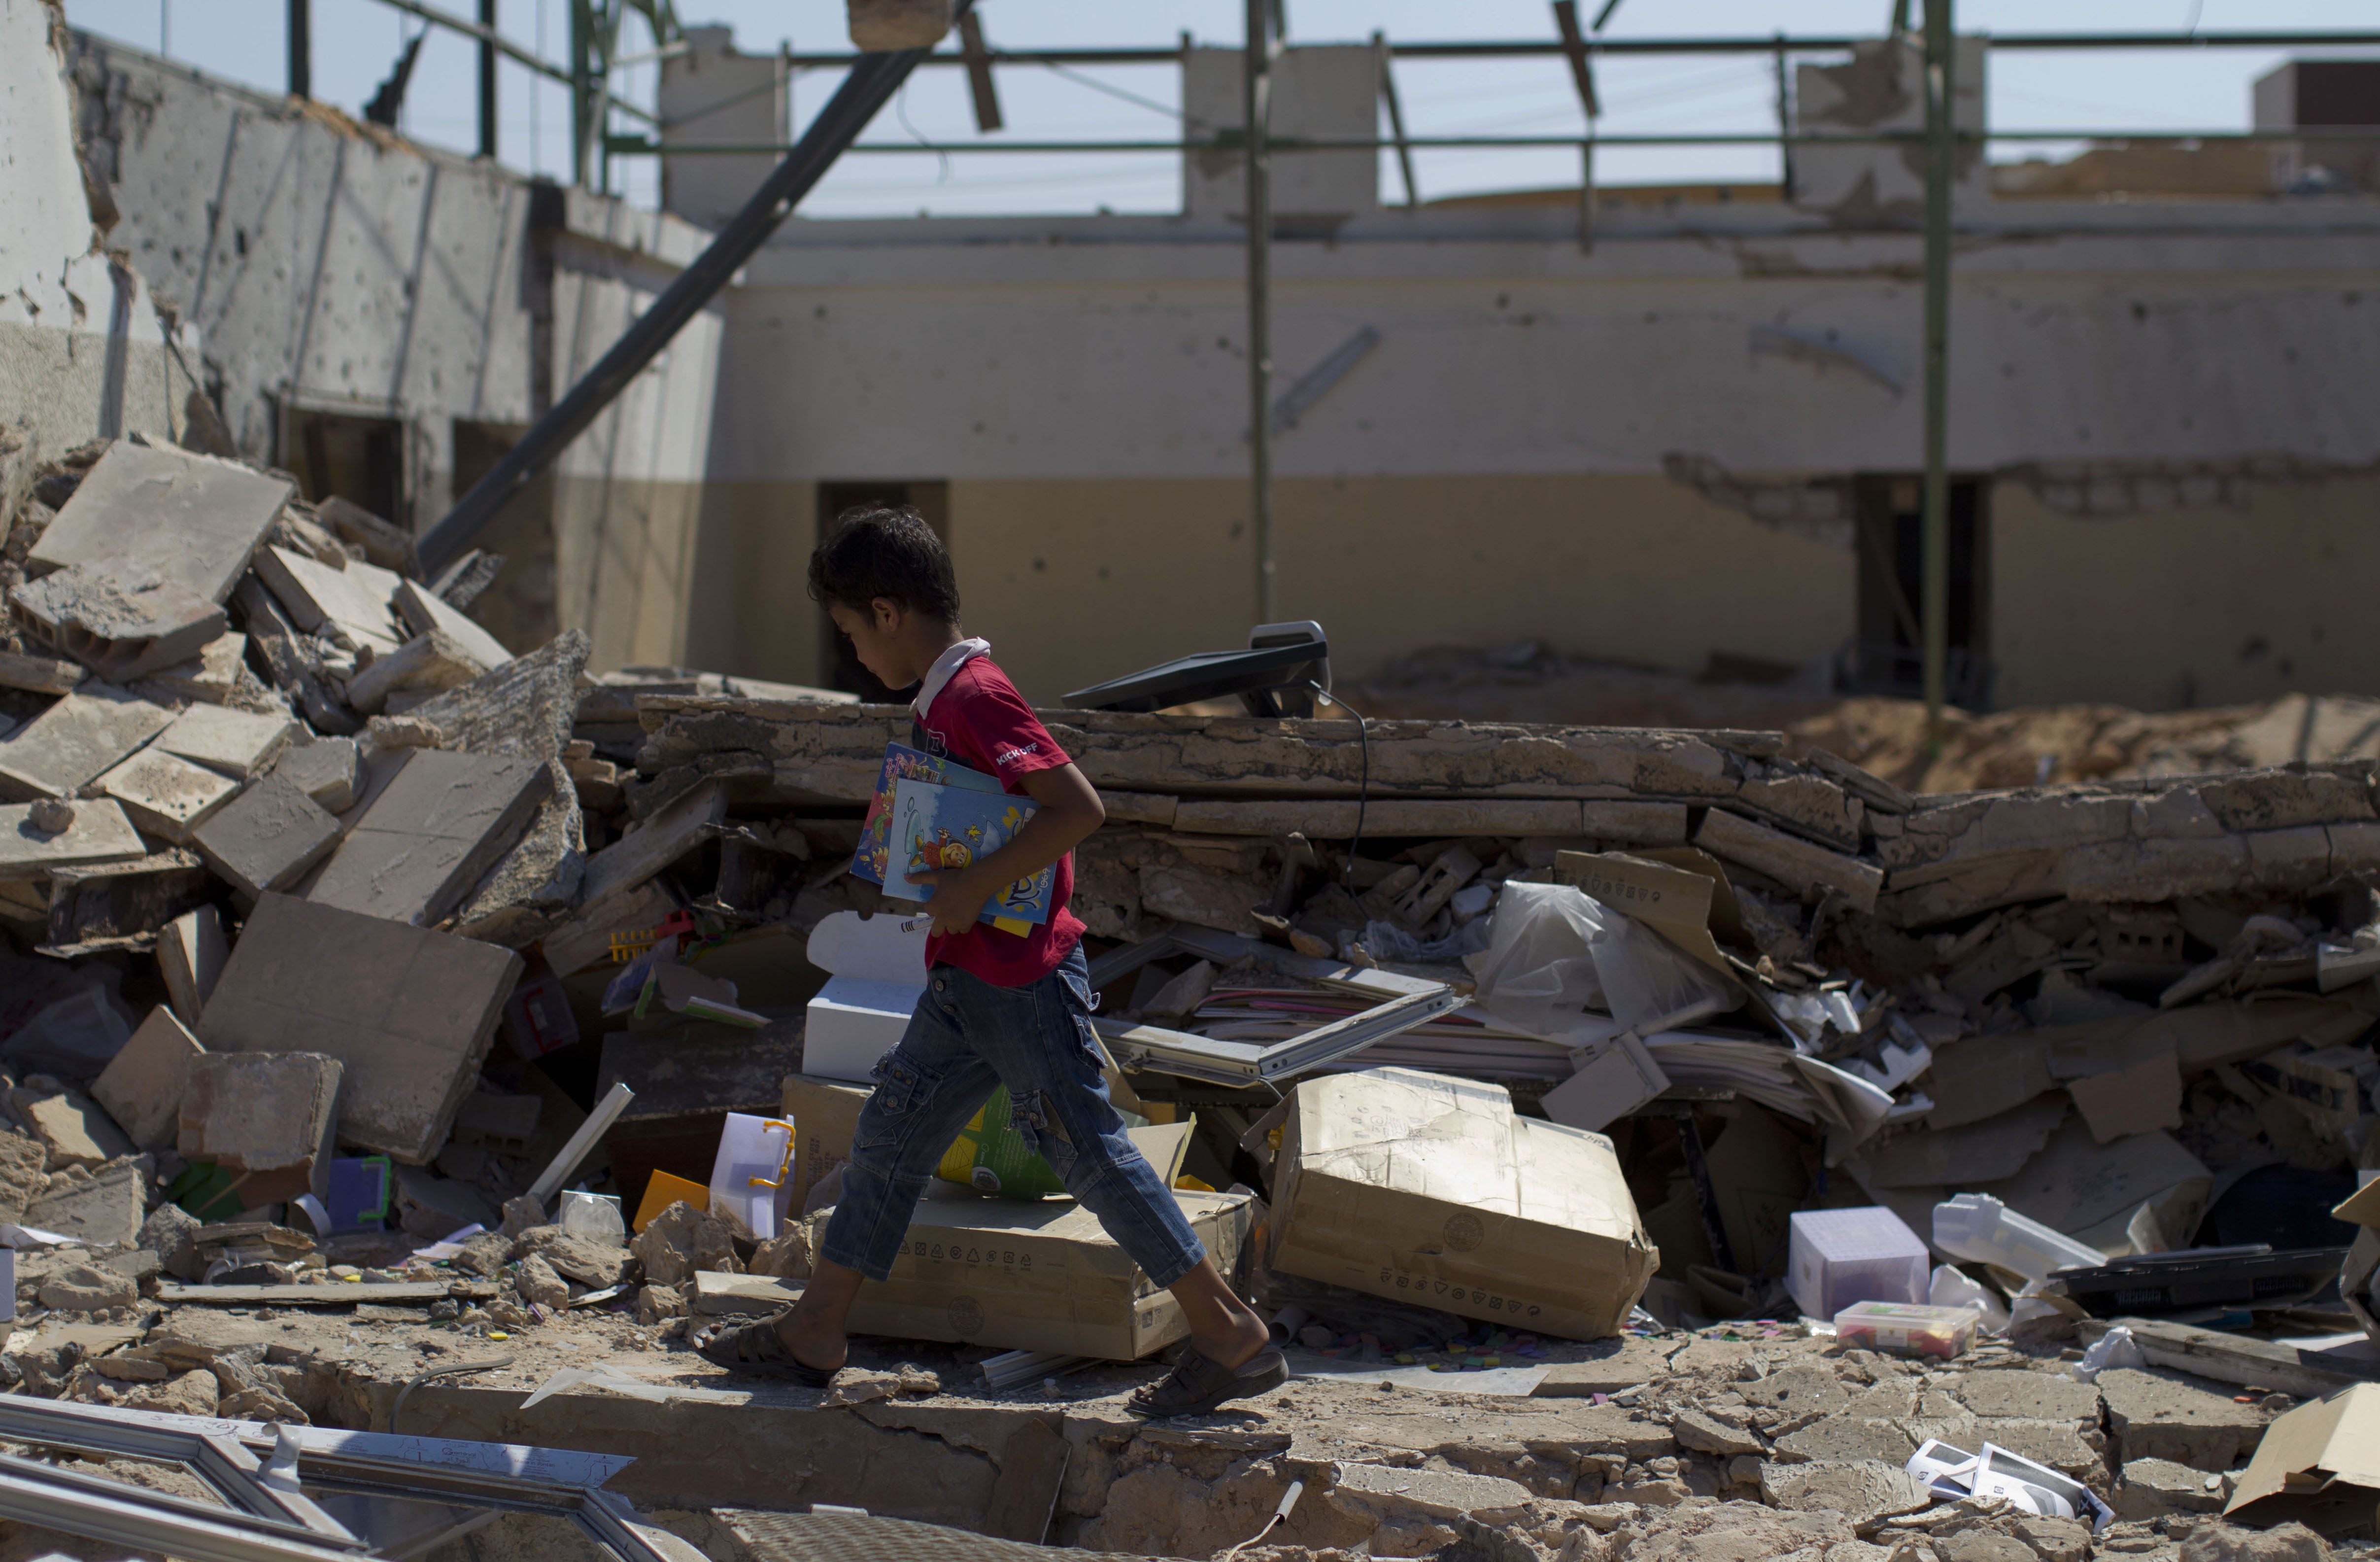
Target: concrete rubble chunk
383, 543
575, 1256
2159, 1414
1802, 1389
1846, 1439
72, 1129
22, 1178
2220, 1541
99, 1208
653, 845
329, 769
540, 1285
40, 675
240, 744
75, 741
1703, 1434
117, 617
190, 953
2035, 1396
87, 1288
1729, 1532
1807, 869
267, 838
165, 795
427, 613
2150, 1488
439, 824
192, 518
141, 1087
348, 607
211, 676
268, 1118
1385, 1491
411, 1012
118, 906
171, 1232
424, 664
682, 1239
1862, 1491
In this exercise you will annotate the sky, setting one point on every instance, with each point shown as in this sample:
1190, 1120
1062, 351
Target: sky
356, 41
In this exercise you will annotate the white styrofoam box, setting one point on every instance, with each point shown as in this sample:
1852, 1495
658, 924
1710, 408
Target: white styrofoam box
871, 948
854, 1023
1838, 1257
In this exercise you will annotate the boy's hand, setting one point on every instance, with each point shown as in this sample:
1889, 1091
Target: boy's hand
955, 901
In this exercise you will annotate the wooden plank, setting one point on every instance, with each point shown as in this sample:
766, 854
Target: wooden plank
2258, 1363
333, 1293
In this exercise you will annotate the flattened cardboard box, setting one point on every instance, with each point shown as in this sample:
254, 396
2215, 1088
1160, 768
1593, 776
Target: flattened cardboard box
1036, 1275
1407, 1185
2357, 1272
2320, 1465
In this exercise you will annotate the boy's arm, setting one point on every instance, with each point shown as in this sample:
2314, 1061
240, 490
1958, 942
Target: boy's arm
1067, 810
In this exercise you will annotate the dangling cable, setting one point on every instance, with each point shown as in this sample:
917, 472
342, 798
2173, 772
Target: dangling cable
1364, 788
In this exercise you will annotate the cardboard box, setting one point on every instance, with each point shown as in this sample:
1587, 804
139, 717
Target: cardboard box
2319, 1465
1033, 1276
823, 1113
1414, 1185
2356, 1274
876, 975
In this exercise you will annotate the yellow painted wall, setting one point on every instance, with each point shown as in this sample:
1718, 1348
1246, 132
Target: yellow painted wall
625, 552
2208, 607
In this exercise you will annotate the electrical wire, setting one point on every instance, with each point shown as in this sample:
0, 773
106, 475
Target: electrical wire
1364, 788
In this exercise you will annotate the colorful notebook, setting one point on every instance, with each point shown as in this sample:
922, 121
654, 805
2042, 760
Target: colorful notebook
902, 763
948, 826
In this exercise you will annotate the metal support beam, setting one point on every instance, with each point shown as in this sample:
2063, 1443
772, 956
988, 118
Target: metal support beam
1573, 44
1256, 103
586, 117
1396, 118
301, 48
1933, 603
981, 91
487, 80
1586, 196
870, 86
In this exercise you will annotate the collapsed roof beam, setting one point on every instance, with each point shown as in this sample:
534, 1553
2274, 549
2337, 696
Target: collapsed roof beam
873, 80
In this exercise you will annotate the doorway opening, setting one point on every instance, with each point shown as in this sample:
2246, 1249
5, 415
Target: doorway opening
1889, 655
359, 459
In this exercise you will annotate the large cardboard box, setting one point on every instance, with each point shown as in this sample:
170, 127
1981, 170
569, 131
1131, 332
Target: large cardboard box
1036, 1275
879, 975
2319, 1465
2357, 1274
1420, 1186
823, 1113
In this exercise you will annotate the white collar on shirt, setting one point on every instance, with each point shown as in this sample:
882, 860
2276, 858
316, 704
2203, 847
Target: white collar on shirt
945, 666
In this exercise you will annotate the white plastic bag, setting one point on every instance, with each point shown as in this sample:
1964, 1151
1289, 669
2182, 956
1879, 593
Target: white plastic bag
1539, 971
1952, 1289
1648, 983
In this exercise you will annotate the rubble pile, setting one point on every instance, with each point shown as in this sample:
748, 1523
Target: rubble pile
359, 964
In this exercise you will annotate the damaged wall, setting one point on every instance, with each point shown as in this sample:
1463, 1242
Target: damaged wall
330, 267
83, 350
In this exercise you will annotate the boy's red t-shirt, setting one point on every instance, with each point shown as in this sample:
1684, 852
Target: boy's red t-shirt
981, 721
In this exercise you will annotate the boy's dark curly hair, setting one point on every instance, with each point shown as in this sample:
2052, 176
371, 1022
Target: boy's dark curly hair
879, 550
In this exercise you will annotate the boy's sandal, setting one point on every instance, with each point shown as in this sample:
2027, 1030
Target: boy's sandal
755, 1347
1198, 1384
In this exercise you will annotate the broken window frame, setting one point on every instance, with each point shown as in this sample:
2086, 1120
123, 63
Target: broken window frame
293, 453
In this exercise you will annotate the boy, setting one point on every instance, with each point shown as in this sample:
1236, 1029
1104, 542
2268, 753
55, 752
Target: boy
998, 1009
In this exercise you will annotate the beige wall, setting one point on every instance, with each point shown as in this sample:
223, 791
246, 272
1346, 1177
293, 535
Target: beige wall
624, 551
2208, 607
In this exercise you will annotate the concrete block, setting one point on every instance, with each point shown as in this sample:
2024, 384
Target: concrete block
267, 1117
266, 839
211, 676
410, 1011
441, 823
240, 744
1798, 864
166, 795
191, 518
190, 952
1863, 1490
422, 666
348, 606
121, 905
424, 610
141, 1087
329, 769
2152, 1488
75, 741
117, 617
39, 675
99, 1209
2164, 1415
72, 1129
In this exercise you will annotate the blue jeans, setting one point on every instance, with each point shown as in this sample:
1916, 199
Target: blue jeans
966, 1037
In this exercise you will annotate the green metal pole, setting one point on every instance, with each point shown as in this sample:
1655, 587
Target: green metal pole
1258, 99
1934, 608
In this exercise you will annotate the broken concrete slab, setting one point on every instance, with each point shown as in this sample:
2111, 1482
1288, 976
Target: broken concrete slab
73, 1128
425, 612
98, 831
1706, 1433
1848, 1439
40, 675
1800, 865
117, 617
2150, 1488
426, 840
293, 660
265, 838
99, 1208
1803, 1389
410, 1011
329, 769
268, 1118
141, 1086
383, 543
72, 743
191, 518
190, 955
211, 676
121, 906
87, 1288
240, 744
2031, 1395
2160, 1414
428, 664
1863, 1490
348, 607
1383, 1494
653, 845
22, 1175
166, 795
